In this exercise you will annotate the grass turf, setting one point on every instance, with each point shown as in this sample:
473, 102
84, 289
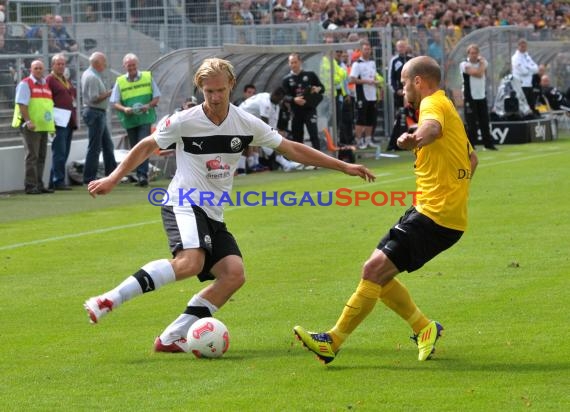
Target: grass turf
500, 293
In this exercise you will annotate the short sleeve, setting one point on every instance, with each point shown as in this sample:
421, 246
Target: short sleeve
167, 131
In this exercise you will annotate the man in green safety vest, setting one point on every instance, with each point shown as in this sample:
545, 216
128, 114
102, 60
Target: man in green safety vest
33, 115
135, 96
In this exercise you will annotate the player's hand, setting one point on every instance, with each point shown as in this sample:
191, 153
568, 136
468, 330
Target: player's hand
359, 170
407, 141
100, 186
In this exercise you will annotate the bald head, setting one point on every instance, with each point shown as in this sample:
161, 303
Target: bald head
424, 67
98, 61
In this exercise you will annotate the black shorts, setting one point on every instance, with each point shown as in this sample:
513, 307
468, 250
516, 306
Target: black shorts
190, 228
415, 240
366, 113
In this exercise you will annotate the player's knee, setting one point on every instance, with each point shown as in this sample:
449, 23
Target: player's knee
370, 269
186, 267
233, 279
375, 269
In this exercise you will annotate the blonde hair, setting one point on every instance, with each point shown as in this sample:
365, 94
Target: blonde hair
214, 67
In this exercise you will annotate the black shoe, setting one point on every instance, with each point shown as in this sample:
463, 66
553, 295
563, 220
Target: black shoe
62, 187
46, 190
33, 191
142, 183
491, 147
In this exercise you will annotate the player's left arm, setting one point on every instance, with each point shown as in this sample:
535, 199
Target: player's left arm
309, 156
427, 132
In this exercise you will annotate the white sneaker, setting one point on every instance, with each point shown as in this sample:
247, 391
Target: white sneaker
372, 145
97, 307
362, 144
293, 166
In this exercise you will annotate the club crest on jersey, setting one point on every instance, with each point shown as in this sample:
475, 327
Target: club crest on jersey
236, 144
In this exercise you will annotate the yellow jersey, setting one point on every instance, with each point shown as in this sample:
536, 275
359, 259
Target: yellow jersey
443, 168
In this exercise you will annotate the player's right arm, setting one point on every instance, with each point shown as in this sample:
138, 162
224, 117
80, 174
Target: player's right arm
136, 156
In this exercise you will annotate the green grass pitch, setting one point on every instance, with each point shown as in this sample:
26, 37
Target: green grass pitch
501, 293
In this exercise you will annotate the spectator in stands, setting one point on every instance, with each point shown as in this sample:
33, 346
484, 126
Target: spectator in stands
94, 114
135, 96
473, 71
63, 40
330, 22
33, 115
7, 66
248, 91
280, 15
523, 67
304, 91
64, 95
35, 36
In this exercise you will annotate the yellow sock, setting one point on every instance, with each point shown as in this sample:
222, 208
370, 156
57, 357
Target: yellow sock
397, 297
356, 309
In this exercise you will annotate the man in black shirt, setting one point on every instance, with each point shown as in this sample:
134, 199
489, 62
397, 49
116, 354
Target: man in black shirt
304, 91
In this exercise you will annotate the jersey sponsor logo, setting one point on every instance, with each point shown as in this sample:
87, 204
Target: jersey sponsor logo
217, 169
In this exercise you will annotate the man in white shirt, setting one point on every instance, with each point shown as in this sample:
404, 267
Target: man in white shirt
523, 67
209, 141
473, 71
364, 75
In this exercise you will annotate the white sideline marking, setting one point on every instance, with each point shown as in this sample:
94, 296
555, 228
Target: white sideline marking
229, 209
74, 235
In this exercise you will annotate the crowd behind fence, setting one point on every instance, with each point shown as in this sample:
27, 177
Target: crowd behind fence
153, 28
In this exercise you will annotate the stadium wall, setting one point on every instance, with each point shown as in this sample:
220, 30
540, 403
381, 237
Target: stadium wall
12, 165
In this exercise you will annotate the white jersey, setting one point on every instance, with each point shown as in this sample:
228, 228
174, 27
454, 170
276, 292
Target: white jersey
207, 154
474, 85
260, 105
365, 70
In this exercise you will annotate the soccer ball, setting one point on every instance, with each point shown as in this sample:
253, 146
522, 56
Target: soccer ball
208, 338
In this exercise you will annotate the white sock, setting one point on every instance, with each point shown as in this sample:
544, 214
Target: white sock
160, 272
251, 161
267, 151
256, 157
282, 161
241, 163
179, 328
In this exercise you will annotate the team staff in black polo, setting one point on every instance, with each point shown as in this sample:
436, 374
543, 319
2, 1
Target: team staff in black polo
304, 91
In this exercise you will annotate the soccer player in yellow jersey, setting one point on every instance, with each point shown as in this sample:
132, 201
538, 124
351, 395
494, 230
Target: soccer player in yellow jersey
445, 163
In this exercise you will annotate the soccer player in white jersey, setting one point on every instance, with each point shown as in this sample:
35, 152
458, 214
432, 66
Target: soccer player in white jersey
266, 106
209, 140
